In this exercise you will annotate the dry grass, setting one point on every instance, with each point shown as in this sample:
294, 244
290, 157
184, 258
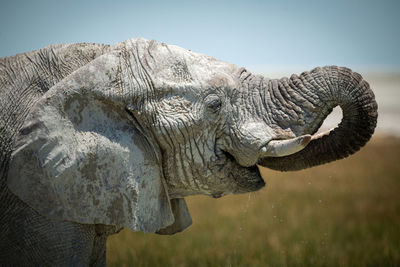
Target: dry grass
341, 214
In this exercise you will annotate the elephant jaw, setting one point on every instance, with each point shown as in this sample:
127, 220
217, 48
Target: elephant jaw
246, 177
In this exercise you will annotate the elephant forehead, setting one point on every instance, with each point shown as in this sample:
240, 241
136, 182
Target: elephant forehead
211, 71
178, 66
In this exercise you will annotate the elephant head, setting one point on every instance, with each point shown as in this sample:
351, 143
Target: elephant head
124, 138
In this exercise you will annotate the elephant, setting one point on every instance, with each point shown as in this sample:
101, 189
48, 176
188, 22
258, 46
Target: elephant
97, 138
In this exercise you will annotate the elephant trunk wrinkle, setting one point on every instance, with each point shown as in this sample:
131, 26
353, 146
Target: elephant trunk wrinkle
316, 93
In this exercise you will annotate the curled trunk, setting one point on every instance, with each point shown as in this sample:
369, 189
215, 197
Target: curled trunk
300, 104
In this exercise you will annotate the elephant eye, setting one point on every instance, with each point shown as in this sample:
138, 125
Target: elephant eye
213, 103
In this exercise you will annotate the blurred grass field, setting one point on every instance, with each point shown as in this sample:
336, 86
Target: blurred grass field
345, 213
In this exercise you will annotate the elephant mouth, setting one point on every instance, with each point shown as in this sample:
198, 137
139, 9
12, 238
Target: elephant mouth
243, 179
242, 173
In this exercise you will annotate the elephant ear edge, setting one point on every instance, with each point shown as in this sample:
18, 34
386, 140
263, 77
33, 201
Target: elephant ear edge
79, 156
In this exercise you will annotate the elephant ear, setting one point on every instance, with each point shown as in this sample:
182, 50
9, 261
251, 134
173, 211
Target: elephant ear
80, 156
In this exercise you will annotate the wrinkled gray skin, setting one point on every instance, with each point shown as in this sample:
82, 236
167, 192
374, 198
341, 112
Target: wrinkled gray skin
187, 123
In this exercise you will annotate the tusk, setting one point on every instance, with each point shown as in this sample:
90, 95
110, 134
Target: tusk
281, 148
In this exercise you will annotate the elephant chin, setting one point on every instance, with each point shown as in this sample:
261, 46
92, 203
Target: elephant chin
241, 179
248, 179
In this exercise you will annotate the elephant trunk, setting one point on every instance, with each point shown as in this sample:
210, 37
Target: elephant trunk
300, 105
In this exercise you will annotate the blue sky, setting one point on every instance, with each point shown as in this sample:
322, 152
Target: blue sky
254, 34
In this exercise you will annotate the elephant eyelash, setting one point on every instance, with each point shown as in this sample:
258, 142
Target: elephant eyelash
214, 105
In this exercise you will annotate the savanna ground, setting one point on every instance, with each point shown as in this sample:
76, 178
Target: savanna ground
345, 213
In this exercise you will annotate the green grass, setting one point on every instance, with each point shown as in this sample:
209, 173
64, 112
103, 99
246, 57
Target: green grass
346, 213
